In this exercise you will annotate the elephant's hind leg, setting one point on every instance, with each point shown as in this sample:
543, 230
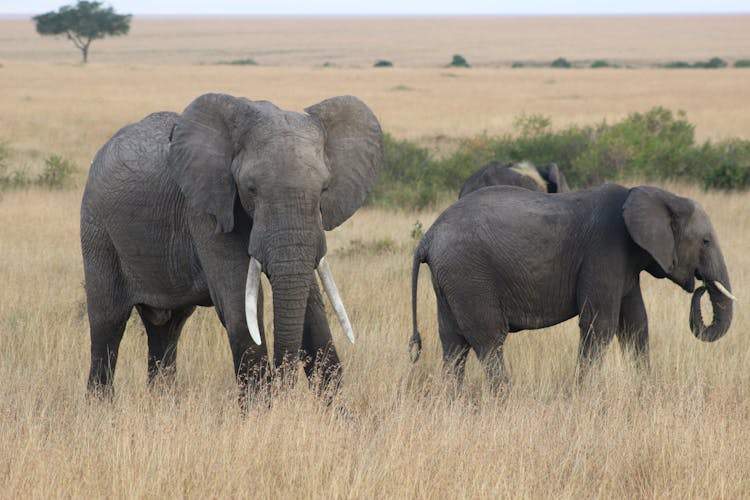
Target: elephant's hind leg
321, 361
455, 346
163, 329
106, 334
485, 327
108, 307
491, 331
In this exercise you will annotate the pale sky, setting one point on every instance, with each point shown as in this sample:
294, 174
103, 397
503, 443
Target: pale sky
392, 7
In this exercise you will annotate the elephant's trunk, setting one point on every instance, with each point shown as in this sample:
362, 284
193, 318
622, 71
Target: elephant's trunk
721, 302
291, 275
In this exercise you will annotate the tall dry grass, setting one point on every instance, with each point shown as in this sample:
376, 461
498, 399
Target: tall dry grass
393, 431
680, 432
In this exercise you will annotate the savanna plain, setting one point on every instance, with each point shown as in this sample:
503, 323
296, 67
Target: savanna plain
393, 430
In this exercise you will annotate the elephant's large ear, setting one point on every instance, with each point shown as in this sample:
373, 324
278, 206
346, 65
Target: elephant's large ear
354, 151
203, 143
652, 217
556, 179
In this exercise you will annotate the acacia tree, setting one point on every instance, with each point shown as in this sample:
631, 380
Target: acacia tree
82, 23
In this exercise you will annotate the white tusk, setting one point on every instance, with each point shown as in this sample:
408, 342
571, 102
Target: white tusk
333, 295
723, 290
251, 299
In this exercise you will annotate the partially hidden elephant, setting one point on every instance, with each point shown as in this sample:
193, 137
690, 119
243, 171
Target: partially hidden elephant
186, 210
524, 174
505, 259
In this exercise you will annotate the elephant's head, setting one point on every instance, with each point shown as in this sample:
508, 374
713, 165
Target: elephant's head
679, 236
556, 182
294, 174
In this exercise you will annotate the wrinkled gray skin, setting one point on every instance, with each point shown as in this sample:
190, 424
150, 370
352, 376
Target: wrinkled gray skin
505, 259
176, 204
501, 174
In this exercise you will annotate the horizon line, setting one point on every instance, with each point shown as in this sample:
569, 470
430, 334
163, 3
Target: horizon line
11, 15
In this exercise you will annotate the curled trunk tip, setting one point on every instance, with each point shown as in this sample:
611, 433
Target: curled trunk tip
721, 304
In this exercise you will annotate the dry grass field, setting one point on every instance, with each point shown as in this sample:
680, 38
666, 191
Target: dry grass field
393, 432
421, 42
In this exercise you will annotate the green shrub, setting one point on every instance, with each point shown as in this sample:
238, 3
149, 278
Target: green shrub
600, 63
358, 248
646, 145
716, 62
10, 180
742, 63
417, 231
725, 165
382, 63
57, 172
676, 65
713, 63
517, 64
561, 62
4, 154
239, 62
15, 180
406, 176
727, 176
459, 61
655, 145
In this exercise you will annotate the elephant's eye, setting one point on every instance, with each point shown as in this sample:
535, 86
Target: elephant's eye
706, 242
251, 190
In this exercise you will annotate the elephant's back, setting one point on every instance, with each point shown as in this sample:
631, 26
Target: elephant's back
498, 174
504, 225
130, 167
135, 147
497, 206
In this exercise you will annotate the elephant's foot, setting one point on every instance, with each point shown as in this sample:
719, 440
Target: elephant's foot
324, 373
162, 378
96, 392
255, 385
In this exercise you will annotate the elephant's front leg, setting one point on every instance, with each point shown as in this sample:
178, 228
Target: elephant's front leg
633, 328
598, 322
250, 360
320, 360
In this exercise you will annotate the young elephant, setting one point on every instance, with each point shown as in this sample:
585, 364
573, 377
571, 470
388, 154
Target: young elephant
524, 174
505, 259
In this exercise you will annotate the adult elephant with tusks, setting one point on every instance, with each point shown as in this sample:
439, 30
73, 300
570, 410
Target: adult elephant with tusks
182, 210
505, 259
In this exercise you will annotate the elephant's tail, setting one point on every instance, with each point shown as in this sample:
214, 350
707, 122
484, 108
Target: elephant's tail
420, 256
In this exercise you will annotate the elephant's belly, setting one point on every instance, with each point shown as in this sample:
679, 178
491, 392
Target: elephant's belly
165, 283
160, 301
162, 274
539, 314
